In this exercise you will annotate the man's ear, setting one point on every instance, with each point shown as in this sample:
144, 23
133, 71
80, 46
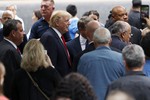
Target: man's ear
110, 40
13, 33
126, 66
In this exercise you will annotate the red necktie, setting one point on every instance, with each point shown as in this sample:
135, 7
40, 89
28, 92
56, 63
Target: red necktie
64, 43
18, 50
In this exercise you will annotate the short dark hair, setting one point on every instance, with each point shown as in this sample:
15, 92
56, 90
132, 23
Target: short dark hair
38, 14
72, 9
94, 12
76, 87
10, 25
145, 44
82, 22
136, 3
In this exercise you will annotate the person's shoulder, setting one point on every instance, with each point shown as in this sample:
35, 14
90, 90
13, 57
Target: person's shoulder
73, 41
38, 23
48, 33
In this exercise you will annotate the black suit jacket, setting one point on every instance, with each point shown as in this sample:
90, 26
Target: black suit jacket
56, 51
1, 34
74, 47
135, 83
136, 35
11, 60
23, 88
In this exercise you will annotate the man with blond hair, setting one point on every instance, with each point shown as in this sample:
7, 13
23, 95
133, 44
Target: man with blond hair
54, 42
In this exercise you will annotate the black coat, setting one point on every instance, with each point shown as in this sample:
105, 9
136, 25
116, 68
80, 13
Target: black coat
134, 83
11, 60
56, 51
23, 88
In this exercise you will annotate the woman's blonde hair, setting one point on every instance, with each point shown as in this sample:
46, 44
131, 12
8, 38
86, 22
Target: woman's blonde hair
2, 74
34, 56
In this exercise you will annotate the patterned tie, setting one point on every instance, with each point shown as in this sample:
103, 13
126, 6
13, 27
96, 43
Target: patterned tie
64, 43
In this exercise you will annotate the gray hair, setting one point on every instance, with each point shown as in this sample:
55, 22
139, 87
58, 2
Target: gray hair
15, 6
8, 12
134, 56
119, 27
101, 36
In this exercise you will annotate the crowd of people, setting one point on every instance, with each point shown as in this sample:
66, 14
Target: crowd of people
64, 57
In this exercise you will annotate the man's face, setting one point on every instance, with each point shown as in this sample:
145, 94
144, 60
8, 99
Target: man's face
120, 14
127, 35
12, 8
5, 17
19, 34
47, 8
63, 24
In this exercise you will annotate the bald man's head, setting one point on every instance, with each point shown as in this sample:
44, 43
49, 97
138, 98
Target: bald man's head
91, 27
119, 13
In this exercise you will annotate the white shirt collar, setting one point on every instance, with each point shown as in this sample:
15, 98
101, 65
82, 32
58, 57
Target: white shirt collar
82, 42
58, 33
11, 42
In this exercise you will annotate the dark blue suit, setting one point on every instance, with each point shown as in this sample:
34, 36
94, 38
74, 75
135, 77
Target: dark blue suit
11, 59
117, 43
74, 47
56, 51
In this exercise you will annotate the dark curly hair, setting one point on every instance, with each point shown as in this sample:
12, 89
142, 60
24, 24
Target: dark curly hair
76, 87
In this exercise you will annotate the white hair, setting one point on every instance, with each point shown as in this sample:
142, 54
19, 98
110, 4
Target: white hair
101, 36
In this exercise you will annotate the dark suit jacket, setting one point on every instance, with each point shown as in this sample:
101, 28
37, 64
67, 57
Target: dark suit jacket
23, 88
1, 34
74, 47
136, 35
134, 83
117, 43
56, 51
11, 60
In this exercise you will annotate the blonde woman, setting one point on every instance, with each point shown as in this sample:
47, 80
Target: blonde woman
37, 64
2, 73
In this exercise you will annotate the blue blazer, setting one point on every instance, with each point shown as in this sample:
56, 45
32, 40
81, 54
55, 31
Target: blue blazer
56, 51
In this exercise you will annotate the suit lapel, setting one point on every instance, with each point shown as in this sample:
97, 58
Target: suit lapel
60, 43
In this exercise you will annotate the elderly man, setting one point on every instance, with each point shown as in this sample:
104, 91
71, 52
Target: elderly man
9, 54
5, 16
102, 65
13, 8
54, 42
134, 82
121, 34
119, 13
